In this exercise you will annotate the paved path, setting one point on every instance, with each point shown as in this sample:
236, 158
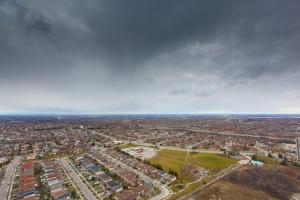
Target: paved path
76, 180
164, 193
220, 175
8, 178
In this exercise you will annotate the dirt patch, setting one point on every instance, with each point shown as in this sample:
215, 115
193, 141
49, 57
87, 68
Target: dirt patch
187, 172
191, 172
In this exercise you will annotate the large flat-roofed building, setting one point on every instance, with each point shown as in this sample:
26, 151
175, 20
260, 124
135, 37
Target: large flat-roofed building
298, 148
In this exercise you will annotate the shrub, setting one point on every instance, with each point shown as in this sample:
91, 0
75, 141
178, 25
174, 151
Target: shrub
272, 181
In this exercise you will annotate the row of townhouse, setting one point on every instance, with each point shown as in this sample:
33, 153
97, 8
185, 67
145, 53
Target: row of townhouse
136, 188
134, 193
53, 179
129, 178
152, 172
106, 180
26, 186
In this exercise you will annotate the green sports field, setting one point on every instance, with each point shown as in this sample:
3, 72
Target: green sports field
212, 162
178, 160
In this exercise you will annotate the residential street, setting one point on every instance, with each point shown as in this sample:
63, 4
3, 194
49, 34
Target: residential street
76, 180
8, 178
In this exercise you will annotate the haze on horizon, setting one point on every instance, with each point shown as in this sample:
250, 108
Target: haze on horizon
141, 56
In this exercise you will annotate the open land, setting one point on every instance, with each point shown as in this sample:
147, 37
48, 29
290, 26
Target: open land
150, 157
182, 162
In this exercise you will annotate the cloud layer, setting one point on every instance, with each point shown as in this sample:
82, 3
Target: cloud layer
139, 56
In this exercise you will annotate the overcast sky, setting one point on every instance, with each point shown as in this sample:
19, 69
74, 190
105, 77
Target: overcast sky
149, 56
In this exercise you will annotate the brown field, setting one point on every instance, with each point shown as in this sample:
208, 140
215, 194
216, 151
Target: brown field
255, 183
226, 190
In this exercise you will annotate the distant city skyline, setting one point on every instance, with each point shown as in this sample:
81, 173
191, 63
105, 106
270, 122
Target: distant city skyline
149, 57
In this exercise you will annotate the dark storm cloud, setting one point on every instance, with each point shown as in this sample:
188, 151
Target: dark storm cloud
111, 48
31, 21
127, 34
142, 29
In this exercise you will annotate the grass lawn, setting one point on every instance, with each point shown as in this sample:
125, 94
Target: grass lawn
177, 188
187, 190
176, 160
170, 159
270, 162
214, 163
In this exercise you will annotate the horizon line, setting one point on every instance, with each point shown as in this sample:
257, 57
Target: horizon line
118, 114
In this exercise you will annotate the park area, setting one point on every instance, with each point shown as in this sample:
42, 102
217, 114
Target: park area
184, 163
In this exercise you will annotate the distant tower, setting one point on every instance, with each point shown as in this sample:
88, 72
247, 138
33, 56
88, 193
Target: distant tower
298, 147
